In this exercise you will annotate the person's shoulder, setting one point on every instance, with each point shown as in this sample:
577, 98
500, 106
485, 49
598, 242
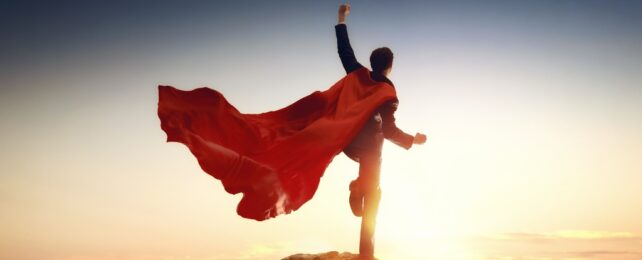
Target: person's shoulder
387, 80
360, 72
368, 78
380, 78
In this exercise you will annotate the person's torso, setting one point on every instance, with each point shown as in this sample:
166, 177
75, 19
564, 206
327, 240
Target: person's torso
370, 138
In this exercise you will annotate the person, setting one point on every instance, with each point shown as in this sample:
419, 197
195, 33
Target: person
365, 148
276, 159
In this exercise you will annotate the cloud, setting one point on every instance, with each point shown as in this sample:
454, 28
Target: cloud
586, 234
564, 245
603, 253
567, 235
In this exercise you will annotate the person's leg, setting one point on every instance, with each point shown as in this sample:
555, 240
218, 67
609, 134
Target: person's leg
368, 223
369, 177
356, 198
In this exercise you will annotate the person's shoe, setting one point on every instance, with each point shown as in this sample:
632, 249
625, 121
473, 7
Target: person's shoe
356, 198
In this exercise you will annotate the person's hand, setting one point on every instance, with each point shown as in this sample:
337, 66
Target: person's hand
419, 139
344, 11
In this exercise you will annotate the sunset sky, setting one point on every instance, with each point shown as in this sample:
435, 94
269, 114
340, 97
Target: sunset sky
533, 111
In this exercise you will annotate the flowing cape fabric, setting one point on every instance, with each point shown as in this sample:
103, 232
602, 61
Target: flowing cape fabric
276, 159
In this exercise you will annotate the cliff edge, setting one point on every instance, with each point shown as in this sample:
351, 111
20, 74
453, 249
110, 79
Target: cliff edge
332, 255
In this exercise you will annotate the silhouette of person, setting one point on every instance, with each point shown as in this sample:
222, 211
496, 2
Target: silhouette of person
365, 148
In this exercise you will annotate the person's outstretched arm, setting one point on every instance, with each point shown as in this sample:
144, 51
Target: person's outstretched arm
346, 54
392, 132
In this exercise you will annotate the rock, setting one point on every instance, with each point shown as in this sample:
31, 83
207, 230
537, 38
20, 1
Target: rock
332, 255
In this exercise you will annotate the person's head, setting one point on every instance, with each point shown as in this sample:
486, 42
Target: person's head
381, 61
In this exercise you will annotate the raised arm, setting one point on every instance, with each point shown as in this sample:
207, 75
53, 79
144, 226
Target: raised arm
346, 54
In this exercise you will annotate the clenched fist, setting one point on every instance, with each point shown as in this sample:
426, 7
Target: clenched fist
419, 139
344, 11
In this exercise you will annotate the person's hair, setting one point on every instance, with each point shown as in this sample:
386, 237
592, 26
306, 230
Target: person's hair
380, 59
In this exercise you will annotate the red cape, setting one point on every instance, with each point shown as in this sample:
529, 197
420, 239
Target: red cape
277, 158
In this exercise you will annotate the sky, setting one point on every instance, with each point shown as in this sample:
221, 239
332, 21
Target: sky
532, 111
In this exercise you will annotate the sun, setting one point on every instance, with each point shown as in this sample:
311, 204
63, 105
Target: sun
411, 225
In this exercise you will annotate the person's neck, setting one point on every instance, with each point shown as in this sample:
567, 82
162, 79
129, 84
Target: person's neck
377, 75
